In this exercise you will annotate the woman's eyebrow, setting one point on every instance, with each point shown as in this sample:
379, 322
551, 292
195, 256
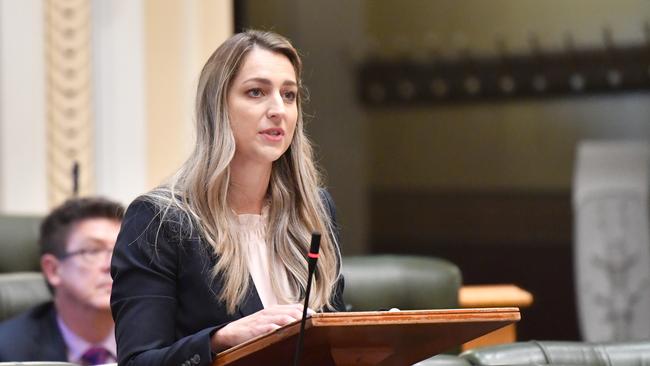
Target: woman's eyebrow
268, 82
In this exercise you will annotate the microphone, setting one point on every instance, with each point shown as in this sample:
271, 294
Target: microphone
312, 257
75, 179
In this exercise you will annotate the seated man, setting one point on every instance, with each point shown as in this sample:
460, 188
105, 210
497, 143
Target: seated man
76, 242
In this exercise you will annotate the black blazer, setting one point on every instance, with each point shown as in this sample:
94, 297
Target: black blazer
163, 301
32, 336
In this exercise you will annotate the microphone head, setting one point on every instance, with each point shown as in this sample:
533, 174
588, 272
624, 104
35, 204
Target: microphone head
315, 244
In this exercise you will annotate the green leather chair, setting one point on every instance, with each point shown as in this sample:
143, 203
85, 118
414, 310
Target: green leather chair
561, 353
444, 360
377, 282
19, 250
21, 283
21, 290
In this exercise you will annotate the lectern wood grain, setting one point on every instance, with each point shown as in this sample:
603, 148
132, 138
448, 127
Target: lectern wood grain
370, 338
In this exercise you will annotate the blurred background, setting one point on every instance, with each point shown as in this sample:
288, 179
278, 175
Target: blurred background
484, 178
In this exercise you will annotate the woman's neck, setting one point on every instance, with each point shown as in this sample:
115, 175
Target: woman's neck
249, 184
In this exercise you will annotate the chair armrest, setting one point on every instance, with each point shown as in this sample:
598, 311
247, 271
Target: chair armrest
20, 291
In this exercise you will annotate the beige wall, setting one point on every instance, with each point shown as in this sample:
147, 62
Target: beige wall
23, 159
180, 36
507, 145
479, 22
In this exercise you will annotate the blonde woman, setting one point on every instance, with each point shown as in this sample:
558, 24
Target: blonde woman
217, 255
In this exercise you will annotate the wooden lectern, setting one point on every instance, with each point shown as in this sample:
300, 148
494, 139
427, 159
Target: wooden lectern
370, 338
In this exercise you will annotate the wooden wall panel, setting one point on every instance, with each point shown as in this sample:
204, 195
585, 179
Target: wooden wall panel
494, 237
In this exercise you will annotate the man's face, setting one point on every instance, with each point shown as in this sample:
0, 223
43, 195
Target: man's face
83, 277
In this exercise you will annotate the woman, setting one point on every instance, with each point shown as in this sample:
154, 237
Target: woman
218, 255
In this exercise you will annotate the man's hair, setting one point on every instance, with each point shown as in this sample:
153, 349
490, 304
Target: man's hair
56, 227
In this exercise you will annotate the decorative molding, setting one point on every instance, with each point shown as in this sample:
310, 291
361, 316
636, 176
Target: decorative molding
422, 76
612, 243
612, 267
70, 129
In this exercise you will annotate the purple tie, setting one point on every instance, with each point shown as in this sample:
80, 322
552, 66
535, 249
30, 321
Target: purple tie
95, 356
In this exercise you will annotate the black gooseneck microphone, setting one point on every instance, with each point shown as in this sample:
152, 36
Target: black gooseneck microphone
312, 257
75, 179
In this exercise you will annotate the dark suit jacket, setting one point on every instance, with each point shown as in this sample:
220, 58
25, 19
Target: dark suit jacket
32, 336
164, 300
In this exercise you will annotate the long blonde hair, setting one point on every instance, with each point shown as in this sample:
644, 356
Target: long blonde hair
199, 189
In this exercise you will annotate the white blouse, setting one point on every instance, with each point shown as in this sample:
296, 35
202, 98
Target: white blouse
252, 231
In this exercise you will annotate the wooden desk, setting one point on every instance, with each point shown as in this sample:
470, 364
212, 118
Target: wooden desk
369, 338
482, 296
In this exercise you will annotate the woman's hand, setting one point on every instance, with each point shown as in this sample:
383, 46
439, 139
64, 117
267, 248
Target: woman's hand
251, 326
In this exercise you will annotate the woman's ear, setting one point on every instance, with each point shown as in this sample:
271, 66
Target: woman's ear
50, 267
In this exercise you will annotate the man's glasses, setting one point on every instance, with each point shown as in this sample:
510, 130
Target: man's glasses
89, 255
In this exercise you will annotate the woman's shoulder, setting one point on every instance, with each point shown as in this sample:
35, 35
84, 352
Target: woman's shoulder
155, 214
140, 211
143, 209
328, 202
325, 195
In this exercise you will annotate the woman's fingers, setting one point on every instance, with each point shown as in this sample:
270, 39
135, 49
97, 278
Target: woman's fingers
256, 324
267, 328
293, 310
281, 319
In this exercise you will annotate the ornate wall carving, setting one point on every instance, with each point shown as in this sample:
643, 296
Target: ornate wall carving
69, 98
612, 246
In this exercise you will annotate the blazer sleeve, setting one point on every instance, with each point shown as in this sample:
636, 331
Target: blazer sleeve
338, 303
143, 300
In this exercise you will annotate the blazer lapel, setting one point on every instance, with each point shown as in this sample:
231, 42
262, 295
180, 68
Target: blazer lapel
252, 302
53, 347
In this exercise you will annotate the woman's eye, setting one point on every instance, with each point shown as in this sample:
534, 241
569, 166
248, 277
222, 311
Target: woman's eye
290, 96
255, 92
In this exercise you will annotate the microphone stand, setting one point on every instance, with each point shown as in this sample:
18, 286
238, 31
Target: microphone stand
311, 259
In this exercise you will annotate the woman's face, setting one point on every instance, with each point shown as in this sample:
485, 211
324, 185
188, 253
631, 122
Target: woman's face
262, 105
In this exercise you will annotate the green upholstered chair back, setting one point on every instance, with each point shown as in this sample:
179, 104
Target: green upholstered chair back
561, 353
20, 291
443, 360
19, 243
21, 283
378, 282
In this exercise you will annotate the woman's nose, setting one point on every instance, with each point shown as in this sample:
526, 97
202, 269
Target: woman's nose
276, 108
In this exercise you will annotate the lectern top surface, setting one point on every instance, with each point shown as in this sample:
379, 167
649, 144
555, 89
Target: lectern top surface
399, 337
